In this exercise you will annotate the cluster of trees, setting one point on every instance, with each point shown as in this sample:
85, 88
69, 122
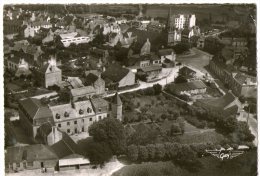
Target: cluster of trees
181, 154
181, 48
155, 90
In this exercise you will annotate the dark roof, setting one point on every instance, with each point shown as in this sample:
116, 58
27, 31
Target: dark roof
116, 99
165, 52
99, 103
90, 78
186, 71
46, 128
189, 86
151, 68
35, 108
65, 147
115, 73
37, 152
231, 110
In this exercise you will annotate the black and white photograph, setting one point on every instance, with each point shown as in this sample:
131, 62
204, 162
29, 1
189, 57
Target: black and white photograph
129, 89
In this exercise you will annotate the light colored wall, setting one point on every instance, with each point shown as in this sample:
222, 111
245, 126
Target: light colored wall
128, 80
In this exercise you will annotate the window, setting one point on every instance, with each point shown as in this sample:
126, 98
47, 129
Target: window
81, 111
59, 125
76, 130
99, 117
75, 122
99, 109
57, 116
68, 123
68, 130
83, 129
66, 114
89, 110
90, 119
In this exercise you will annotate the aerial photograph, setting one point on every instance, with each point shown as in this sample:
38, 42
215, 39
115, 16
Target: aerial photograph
129, 89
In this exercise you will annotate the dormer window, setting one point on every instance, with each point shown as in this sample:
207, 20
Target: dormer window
66, 114
89, 110
81, 111
57, 116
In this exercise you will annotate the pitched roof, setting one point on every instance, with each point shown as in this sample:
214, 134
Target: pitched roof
189, 86
99, 103
30, 153
221, 102
65, 147
35, 108
116, 99
82, 91
151, 68
90, 78
186, 71
115, 73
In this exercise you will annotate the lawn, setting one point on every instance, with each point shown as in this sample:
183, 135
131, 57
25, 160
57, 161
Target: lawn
243, 165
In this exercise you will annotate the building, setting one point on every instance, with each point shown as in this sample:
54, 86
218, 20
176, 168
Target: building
187, 73
50, 74
241, 84
150, 73
29, 31
96, 81
146, 49
181, 21
69, 154
82, 92
116, 107
36, 156
116, 76
189, 88
49, 37
201, 42
167, 54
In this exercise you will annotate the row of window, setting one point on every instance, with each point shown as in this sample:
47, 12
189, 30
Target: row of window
66, 114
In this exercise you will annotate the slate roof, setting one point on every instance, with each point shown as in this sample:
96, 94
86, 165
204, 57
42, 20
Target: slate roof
115, 73
189, 86
90, 79
99, 103
35, 108
30, 153
65, 147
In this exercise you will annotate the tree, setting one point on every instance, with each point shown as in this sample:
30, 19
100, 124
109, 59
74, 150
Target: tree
64, 96
157, 89
143, 153
132, 152
175, 129
159, 151
228, 124
99, 153
151, 151
111, 131
181, 48
180, 79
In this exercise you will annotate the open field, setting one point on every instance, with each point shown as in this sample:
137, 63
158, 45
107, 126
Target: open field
243, 165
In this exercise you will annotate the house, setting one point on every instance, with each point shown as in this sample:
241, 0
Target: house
69, 154
29, 31
241, 84
33, 113
228, 104
96, 81
167, 54
49, 37
116, 76
187, 73
146, 48
50, 74
81, 92
150, 73
201, 42
180, 21
14, 62
36, 156
189, 88
101, 108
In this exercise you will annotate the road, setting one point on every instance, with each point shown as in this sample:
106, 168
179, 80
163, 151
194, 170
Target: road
252, 123
171, 73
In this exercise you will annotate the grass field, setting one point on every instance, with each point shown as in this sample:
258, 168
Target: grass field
243, 165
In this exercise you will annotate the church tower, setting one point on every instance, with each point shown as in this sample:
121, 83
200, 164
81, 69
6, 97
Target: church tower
117, 107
